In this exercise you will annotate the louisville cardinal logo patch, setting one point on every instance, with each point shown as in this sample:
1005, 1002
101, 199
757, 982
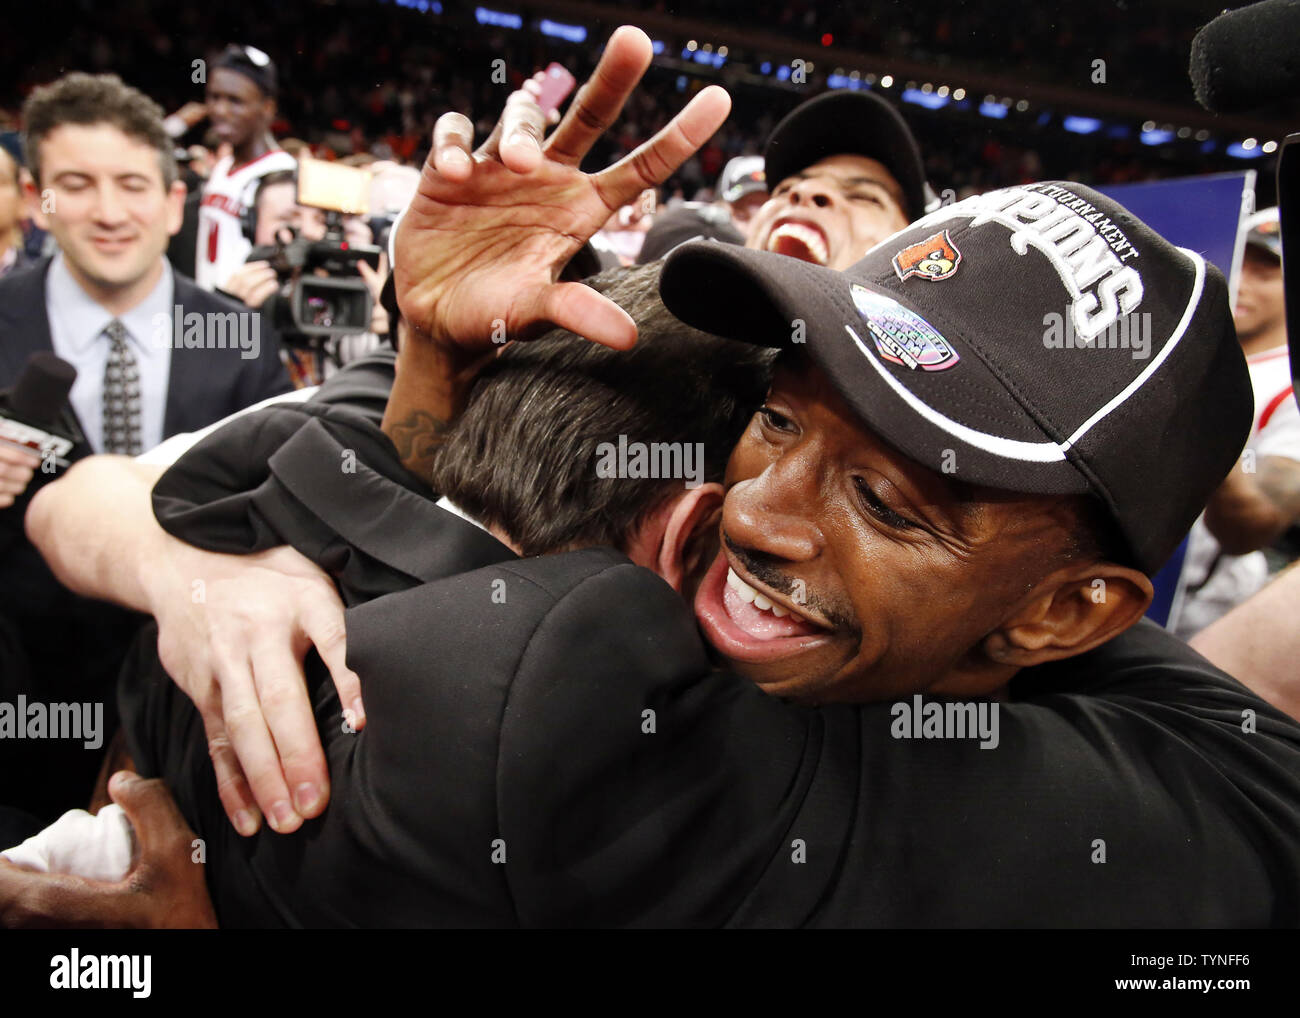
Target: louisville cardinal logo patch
934, 258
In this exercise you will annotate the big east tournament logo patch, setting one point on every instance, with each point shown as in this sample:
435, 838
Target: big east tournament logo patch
934, 258
902, 336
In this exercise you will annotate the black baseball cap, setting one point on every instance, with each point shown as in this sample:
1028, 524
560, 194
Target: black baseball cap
685, 223
848, 123
253, 64
1036, 339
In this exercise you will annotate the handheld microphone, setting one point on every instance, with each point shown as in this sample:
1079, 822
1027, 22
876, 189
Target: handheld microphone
1247, 57
35, 416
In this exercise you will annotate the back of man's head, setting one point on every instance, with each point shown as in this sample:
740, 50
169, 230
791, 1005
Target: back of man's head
90, 99
531, 455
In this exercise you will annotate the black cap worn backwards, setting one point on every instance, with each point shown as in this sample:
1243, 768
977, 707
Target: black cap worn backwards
253, 64
1036, 339
848, 123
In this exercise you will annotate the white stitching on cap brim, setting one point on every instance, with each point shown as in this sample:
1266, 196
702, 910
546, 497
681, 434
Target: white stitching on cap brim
1199, 264
1040, 452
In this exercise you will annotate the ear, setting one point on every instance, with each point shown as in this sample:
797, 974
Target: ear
672, 539
32, 201
693, 519
1073, 610
175, 207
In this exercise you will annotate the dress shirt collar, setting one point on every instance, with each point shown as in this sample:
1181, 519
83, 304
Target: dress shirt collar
85, 318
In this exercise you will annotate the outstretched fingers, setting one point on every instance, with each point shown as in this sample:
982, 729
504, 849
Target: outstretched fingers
584, 312
654, 162
517, 139
453, 137
600, 100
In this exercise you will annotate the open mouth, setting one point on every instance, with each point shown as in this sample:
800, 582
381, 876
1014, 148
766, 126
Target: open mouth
799, 239
747, 621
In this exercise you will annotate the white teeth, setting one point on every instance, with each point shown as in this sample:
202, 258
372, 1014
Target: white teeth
752, 596
746, 592
806, 235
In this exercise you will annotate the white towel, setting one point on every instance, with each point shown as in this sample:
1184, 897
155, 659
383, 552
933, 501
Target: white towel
98, 846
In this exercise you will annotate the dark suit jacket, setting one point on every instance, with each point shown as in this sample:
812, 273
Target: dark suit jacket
548, 744
203, 385
71, 648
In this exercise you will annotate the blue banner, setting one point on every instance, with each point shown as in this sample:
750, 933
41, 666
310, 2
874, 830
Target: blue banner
1202, 214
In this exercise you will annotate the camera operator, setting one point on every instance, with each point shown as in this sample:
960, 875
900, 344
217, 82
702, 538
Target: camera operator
289, 239
275, 207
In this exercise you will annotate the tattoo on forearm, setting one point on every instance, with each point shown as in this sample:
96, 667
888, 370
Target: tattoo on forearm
417, 438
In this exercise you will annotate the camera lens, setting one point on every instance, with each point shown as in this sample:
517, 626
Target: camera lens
320, 311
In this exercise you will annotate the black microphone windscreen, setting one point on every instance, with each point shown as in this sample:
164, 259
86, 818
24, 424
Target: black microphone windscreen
42, 388
1248, 57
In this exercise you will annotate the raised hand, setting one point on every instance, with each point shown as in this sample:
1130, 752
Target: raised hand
485, 237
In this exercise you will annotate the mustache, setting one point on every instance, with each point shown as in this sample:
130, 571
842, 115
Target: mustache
763, 567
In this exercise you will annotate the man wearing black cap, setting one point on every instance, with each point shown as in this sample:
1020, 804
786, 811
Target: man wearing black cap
242, 87
944, 392
844, 172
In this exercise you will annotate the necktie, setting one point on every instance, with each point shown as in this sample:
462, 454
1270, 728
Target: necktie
121, 395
